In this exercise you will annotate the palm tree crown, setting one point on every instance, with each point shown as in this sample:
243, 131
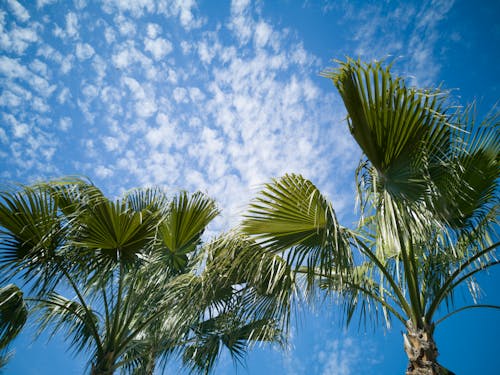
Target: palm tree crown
428, 191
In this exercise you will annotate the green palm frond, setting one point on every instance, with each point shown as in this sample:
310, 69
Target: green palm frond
113, 231
398, 128
291, 214
153, 199
261, 281
471, 186
13, 314
80, 323
5, 357
30, 234
225, 330
72, 194
186, 219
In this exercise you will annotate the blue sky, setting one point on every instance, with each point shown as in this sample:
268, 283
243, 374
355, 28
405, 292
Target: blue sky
221, 96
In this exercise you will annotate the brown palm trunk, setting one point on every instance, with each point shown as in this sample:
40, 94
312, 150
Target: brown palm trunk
422, 351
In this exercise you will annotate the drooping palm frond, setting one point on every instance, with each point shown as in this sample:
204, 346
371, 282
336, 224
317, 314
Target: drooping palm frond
13, 314
225, 330
470, 187
259, 283
79, 322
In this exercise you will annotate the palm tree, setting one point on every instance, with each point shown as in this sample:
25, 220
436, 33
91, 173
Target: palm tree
125, 264
427, 187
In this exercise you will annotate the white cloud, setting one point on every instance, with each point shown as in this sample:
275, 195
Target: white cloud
145, 105
19, 129
103, 172
158, 47
9, 99
126, 26
196, 95
184, 10
129, 55
109, 35
405, 30
163, 135
262, 34
67, 64
18, 39
84, 51
39, 67
239, 6
339, 357
137, 7
153, 30
72, 25
42, 3
80, 4
4, 138
240, 21
19, 11
13, 69
65, 123
180, 94
89, 91
206, 52
111, 143
100, 66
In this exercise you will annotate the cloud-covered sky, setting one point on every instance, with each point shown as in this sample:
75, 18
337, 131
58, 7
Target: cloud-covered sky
220, 96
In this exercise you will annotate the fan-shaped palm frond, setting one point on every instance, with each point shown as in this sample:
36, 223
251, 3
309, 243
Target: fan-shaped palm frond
180, 231
114, 232
291, 213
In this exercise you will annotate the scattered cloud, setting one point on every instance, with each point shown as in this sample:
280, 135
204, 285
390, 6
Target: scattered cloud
18, 10
84, 51
158, 47
408, 31
222, 107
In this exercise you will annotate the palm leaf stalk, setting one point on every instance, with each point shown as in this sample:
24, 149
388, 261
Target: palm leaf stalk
428, 187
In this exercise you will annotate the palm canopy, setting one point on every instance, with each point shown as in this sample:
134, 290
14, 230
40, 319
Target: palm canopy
128, 266
428, 189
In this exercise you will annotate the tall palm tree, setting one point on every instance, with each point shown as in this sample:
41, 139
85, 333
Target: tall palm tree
124, 264
428, 191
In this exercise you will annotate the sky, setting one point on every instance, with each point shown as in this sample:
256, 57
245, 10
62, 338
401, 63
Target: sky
221, 96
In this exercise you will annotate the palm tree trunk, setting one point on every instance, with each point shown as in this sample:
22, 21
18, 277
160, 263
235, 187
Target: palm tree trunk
422, 351
104, 365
